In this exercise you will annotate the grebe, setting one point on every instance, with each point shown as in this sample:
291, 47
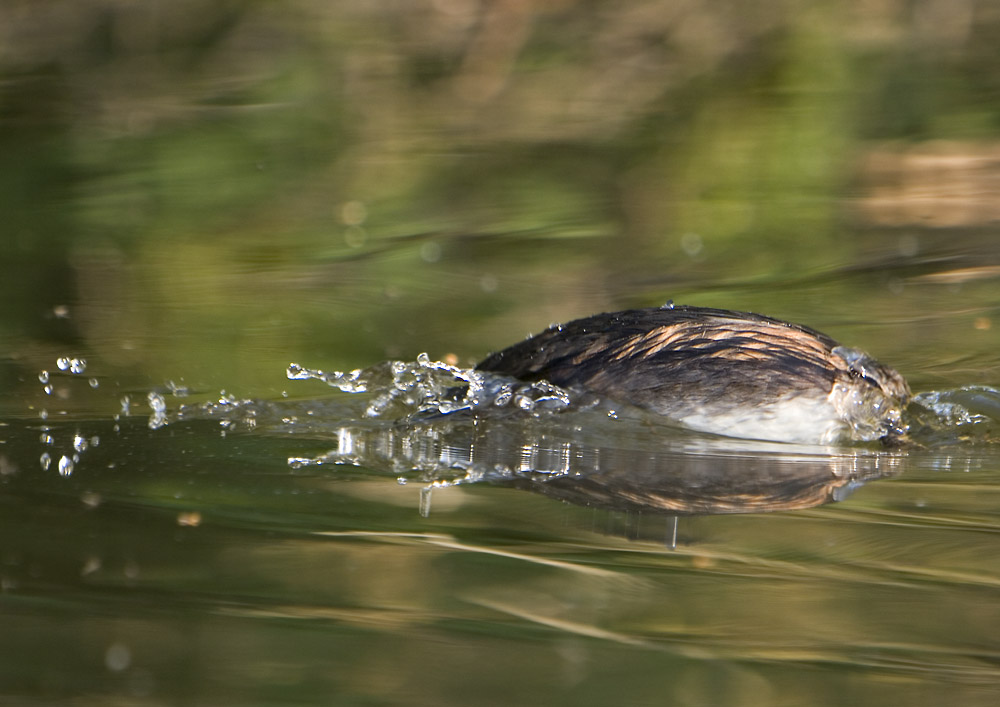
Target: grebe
730, 373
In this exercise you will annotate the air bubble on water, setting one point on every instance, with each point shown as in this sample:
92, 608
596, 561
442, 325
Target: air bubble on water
43, 377
65, 466
45, 460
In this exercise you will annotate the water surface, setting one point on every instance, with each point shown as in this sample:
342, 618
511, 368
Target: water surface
310, 549
196, 195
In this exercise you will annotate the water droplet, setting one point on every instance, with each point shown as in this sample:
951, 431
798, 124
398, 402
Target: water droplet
48, 389
118, 657
46, 438
353, 213
73, 365
692, 245
159, 406
45, 460
79, 443
94, 383
355, 236
43, 377
65, 466
177, 389
126, 405
430, 252
488, 283
156, 402
91, 565
668, 305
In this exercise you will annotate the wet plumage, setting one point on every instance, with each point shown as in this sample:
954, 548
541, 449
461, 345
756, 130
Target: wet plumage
732, 373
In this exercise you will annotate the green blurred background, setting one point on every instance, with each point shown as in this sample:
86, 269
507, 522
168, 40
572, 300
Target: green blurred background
208, 190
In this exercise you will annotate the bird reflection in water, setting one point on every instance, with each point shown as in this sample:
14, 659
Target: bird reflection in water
655, 470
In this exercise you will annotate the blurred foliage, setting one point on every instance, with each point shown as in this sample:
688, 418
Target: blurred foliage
212, 187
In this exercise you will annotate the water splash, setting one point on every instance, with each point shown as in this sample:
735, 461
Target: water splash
422, 387
966, 414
